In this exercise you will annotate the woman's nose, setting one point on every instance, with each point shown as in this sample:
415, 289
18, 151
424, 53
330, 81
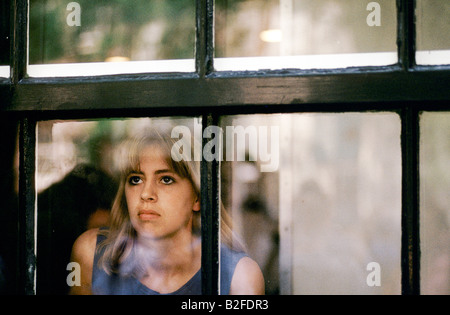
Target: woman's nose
148, 192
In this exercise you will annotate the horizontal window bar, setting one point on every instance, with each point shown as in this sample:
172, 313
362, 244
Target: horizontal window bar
226, 90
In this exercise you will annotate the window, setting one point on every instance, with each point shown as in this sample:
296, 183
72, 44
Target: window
317, 213
360, 141
432, 48
304, 34
434, 214
85, 37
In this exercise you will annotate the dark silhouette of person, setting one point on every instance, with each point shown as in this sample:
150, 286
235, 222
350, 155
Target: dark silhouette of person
80, 201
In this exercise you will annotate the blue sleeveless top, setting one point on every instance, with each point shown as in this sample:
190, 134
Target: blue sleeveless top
115, 284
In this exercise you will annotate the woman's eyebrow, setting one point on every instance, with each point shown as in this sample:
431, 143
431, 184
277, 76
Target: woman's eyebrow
163, 171
134, 172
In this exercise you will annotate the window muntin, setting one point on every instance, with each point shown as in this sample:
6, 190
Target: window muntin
110, 37
331, 207
253, 35
433, 32
434, 210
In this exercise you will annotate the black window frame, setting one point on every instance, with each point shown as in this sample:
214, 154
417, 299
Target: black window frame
405, 88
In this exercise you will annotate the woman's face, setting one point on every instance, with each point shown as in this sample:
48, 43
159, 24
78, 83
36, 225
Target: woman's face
160, 202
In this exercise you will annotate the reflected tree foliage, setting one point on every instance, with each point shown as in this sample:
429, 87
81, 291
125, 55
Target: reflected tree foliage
130, 29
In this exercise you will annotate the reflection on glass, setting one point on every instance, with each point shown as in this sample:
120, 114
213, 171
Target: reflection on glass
321, 28
99, 31
434, 210
77, 181
325, 219
433, 32
138, 180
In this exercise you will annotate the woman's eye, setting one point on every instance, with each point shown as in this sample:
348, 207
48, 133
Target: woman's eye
134, 180
167, 180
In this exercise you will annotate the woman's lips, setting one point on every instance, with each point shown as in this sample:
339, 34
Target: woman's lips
148, 215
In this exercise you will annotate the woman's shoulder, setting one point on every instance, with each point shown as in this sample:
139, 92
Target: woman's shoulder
231, 254
240, 274
85, 244
83, 252
248, 278
88, 236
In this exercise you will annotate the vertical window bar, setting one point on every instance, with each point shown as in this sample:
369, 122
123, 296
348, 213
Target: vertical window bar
406, 33
27, 202
204, 46
410, 255
19, 41
210, 216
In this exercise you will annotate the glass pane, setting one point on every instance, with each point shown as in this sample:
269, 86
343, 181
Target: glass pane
85, 31
316, 199
434, 209
433, 32
87, 178
304, 34
4, 39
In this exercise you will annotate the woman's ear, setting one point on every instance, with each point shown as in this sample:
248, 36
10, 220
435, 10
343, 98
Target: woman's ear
196, 206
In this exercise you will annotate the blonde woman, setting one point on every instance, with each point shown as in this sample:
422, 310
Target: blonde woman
152, 245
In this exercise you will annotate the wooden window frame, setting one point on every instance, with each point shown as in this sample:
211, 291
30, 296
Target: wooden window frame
405, 88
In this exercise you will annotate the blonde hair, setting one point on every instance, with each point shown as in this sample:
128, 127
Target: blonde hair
121, 236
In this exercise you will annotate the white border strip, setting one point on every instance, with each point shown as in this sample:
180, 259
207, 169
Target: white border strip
433, 57
306, 62
4, 72
110, 68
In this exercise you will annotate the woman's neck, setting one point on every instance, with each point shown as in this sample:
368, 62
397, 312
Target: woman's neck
168, 263
171, 254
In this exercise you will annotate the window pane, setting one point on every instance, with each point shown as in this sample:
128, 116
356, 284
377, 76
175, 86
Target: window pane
316, 198
86, 31
4, 39
304, 34
433, 32
81, 167
434, 210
